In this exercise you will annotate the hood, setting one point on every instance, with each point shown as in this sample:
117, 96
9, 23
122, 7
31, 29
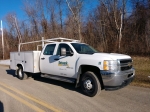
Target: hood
113, 56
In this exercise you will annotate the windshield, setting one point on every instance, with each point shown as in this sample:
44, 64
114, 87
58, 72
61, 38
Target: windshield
83, 48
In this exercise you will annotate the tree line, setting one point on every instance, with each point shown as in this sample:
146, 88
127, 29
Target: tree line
113, 26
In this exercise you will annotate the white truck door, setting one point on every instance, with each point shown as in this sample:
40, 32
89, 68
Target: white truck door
47, 59
64, 65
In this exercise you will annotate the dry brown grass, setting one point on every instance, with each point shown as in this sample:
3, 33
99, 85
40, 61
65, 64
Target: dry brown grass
142, 71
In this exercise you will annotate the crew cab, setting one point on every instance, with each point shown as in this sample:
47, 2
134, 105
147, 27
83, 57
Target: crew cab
74, 62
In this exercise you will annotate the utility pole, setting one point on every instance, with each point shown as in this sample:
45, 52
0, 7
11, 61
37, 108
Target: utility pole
2, 39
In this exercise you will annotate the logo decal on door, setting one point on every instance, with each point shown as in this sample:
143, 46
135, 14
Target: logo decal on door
60, 63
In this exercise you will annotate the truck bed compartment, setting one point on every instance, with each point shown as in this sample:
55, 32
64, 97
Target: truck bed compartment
28, 59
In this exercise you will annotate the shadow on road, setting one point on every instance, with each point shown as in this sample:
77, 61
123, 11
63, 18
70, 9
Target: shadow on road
11, 72
65, 85
50, 81
1, 107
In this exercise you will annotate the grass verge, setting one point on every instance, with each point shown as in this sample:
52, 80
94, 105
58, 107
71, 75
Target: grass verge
142, 71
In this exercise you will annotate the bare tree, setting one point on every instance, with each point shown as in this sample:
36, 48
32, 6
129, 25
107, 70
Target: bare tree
115, 9
107, 27
60, 3
12, 21
75, 8
32, 11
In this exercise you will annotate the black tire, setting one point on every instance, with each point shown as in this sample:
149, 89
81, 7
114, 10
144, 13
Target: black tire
16, 72
20, 74
90, 84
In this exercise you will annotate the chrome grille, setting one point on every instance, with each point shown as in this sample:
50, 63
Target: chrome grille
125, 64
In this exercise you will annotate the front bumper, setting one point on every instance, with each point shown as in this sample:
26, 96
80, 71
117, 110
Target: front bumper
117, 80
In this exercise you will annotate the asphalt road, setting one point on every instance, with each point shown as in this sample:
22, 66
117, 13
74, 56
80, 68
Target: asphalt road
41, 94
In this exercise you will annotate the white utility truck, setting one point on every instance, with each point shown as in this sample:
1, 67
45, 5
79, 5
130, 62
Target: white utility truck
74, 62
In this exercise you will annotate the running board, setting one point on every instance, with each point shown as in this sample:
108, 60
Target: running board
64, 79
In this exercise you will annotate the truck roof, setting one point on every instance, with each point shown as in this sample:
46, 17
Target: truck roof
64, 42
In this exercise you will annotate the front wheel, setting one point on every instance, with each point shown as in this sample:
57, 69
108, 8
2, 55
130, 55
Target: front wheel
21, 75
90, 84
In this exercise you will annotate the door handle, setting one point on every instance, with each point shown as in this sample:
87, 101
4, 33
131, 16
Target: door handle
42, 58
56, 59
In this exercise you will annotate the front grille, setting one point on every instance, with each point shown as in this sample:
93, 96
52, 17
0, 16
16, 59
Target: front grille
126, 68
125, 64
125, 61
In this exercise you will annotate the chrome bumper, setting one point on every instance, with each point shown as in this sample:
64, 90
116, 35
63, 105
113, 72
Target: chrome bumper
117, 80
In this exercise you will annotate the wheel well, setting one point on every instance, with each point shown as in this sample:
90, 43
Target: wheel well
94, 69
19, 65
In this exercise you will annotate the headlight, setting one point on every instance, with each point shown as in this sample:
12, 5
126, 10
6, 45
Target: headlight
110, 65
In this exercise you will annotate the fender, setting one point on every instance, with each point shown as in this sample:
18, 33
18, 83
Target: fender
89, 61
78, 77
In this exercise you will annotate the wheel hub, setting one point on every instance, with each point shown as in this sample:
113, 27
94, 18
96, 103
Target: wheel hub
88, 85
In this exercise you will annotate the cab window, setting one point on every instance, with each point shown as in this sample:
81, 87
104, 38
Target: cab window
68, 49
49, 50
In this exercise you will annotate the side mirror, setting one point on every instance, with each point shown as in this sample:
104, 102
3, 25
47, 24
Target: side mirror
63, 51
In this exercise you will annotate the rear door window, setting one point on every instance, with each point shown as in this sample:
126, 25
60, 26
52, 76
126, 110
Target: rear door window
49, 50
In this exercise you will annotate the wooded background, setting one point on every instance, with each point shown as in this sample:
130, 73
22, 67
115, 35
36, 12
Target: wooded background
113, 26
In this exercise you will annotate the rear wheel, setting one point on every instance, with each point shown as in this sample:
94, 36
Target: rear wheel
90, 84
21, 75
